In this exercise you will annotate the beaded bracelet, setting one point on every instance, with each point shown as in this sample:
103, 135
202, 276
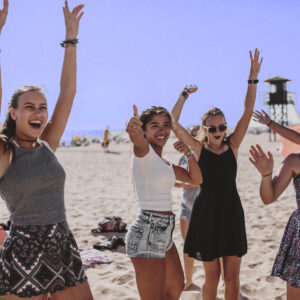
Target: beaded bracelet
68, 43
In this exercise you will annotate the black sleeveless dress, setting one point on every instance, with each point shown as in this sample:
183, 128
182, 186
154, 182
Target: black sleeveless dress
217, 225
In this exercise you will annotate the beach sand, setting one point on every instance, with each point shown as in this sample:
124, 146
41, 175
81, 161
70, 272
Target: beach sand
99, 184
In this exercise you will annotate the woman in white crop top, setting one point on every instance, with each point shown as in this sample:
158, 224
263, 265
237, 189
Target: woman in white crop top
149, 243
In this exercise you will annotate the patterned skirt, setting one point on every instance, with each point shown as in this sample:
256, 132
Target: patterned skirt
287, 262
39, 259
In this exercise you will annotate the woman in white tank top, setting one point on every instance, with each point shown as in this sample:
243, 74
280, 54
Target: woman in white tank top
149, 243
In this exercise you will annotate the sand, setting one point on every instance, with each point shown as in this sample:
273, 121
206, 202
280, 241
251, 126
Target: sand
99, 184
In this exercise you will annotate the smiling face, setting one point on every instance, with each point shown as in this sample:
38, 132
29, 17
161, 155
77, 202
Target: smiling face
158, 129
31, 115
218, 136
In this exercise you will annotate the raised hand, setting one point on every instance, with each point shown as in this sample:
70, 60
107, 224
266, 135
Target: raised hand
72, 20
180, 146
261, 117
134, 126
3, 14
255, 64
263, 163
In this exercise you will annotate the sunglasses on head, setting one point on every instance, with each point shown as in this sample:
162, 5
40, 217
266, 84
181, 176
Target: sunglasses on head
213, 129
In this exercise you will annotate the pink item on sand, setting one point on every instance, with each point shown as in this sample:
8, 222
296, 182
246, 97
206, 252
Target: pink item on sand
289, 147
91, 257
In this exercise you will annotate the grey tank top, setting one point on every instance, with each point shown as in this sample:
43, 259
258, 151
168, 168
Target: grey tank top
33, 187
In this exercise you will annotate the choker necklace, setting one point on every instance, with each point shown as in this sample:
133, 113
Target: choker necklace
29, 141
157, 147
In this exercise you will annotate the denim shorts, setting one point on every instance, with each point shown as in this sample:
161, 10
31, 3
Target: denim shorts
150, 236
185, 212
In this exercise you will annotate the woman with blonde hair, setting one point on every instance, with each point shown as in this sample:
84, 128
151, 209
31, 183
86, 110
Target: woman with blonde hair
217, 226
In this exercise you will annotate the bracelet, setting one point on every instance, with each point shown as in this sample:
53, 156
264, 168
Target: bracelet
269, 123
184, 94
253, 81
72, 42
267, 174
189, 154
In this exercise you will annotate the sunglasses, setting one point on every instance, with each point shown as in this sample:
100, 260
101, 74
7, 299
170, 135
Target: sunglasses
213, 129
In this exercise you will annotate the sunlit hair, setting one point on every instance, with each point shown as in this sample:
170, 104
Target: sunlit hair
150, 112
212, 112
8, 130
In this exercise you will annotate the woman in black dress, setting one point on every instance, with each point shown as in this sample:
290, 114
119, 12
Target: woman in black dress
217, 226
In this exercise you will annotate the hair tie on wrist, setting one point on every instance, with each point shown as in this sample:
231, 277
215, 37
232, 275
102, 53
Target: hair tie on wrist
267, 174
253, 81
269, 123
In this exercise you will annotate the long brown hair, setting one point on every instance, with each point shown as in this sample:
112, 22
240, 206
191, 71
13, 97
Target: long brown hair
8, 130
212, 112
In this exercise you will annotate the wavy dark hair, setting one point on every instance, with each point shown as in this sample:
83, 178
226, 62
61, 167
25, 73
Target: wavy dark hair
148, 114
8, 130
212, 112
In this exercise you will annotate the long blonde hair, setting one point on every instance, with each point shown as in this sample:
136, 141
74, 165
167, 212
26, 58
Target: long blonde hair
212, 112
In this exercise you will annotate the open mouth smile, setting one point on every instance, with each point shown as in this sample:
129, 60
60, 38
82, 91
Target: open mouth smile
35, 124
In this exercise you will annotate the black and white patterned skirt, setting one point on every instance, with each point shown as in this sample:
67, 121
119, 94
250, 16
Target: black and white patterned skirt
39, 259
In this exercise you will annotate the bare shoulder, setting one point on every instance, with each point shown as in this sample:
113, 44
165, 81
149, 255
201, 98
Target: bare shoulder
292, 163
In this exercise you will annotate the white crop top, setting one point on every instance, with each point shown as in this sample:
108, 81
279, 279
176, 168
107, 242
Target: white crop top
153, 179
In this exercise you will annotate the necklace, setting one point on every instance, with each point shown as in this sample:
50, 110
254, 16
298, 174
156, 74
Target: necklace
157, 147
27, 141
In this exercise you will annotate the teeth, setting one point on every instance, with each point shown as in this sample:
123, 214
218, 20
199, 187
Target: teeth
161, 137
35, 122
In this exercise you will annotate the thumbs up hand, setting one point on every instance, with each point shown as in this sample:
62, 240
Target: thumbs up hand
134, 125
180, 146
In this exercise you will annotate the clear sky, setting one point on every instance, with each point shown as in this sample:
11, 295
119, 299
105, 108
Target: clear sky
146, 51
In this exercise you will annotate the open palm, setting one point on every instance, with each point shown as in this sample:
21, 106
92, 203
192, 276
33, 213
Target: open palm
72, 19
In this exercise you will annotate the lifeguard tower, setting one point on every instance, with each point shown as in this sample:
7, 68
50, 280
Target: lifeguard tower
279, 100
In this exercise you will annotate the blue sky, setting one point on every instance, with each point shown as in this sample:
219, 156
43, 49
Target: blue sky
145, 52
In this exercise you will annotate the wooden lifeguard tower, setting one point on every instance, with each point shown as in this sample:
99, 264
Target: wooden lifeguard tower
278, 100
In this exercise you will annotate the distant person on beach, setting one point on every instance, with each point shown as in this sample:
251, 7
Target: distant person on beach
149, 243
286, 265
40, 255
217, 231
106, 140
189, 194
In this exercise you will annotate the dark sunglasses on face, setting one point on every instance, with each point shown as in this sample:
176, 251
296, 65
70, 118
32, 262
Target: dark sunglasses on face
213, 129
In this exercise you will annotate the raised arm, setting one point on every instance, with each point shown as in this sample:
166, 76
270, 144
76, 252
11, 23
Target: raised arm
263, 118
270, 189
240, 130
193, 175
56, 126
3, 16
135, 131
175, 114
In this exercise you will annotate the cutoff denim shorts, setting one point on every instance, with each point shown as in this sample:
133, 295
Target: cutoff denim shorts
185, 212
150, 236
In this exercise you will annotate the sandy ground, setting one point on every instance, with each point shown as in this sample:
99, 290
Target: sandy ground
99, 184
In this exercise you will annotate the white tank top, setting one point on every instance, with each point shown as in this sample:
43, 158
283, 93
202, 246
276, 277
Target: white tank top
153, 179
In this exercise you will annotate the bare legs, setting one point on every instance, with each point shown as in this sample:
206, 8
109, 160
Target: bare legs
292, 293
231, 269
188, 261
159, 278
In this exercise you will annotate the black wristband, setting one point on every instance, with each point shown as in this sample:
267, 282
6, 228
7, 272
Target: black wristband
253, 81
269, 123
72, 42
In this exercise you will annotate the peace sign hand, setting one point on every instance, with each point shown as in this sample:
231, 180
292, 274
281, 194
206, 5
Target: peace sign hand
263, 163
3, 14
261, 117
255, 64
134, 126
72, 20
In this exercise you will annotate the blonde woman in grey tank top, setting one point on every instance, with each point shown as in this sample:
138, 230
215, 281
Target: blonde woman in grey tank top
40, 255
